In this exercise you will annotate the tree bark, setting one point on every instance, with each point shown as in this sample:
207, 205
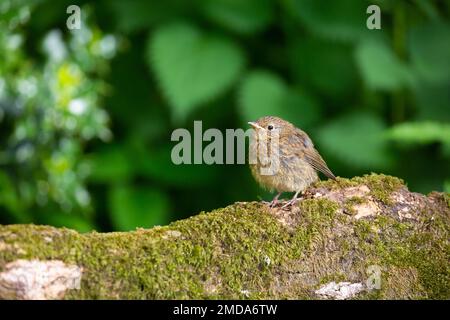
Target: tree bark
364, 238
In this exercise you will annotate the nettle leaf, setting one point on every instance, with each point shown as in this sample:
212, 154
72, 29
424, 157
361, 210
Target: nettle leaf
447, 186
420, 132
432, 101
358, 140
158, 165
445, 150
380, 68
241, 16
343, 20
191, 66
110, 164
264, 93
327, 66
10, 200
137, 15
261, 94
132, 207
430, 52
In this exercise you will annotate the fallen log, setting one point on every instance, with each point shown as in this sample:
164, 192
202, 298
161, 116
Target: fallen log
363, 238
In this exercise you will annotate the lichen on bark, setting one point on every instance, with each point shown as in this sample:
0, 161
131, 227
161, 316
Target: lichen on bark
247, 250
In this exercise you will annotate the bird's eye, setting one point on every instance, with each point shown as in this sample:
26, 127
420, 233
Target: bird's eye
270, 127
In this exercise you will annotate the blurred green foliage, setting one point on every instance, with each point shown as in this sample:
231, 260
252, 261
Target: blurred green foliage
86, 115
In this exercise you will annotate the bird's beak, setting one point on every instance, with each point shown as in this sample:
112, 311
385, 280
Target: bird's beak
255, 125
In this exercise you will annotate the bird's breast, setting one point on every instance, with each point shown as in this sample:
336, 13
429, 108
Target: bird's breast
283, 171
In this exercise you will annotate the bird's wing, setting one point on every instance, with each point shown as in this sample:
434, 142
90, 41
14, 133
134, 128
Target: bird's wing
312, 156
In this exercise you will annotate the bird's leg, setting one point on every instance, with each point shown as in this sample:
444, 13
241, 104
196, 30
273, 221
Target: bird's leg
274, 202
292, 201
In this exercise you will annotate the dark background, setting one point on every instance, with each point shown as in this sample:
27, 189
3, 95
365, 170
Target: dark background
86, 115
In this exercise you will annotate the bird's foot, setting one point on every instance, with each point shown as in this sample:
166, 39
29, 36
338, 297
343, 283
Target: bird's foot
273, 203
290, 203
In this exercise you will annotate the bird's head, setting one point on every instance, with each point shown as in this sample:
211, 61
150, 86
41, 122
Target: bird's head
272, 124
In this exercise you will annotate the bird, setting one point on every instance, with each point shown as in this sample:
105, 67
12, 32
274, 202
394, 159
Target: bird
277, 143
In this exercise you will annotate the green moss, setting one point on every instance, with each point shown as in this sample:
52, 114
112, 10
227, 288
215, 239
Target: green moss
244, 242
355, 201
388, 242
336, 277
238, 251
447, 200
350, 203
381, 186
363, 229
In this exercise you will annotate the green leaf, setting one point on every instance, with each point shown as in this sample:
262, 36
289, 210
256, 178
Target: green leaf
261, 94
380, 68
433, 102
328, 67
446, 150
110, 164
158, 165
428, 8
420, 132
132, 207
343, 20
192, 67
8, 196
356, 139
135, 15
241, 16
430, 52
264, 93
10, 200
447, 186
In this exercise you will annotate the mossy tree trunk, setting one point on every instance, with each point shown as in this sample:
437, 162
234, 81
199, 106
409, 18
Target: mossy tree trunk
327, 246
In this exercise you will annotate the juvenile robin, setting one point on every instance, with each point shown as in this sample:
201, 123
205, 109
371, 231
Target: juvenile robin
289, 152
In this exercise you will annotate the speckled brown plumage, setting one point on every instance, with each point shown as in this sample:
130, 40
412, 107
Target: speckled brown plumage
297, 160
